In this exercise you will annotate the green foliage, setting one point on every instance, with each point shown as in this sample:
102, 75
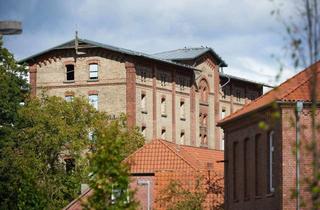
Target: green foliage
178, 196
109, 177
48, 131
13, 86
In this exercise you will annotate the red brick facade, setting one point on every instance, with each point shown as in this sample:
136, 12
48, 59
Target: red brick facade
256, 177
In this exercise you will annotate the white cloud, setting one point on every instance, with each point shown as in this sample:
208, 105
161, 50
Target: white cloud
242, 32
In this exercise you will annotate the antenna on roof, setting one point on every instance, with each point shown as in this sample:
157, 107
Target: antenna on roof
76, 44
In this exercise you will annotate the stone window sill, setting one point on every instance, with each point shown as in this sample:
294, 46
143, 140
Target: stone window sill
271, 194
93, 80
68, 81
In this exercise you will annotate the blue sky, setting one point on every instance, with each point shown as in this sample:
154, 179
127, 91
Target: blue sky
242, 32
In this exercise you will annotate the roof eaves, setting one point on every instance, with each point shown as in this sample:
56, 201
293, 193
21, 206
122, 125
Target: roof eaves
245, 80
222, 122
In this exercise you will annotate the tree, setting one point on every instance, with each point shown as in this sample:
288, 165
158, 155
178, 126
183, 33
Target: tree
303, 36
109, 177
206, 193
13, 86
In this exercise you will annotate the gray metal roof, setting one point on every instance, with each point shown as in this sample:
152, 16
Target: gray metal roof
70, 44
188, 54
245, 80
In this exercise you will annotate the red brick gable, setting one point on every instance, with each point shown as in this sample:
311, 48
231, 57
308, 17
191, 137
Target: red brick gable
297, 88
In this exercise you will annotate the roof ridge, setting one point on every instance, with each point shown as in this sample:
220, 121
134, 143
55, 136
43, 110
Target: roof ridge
186, 48
165, 143
293, 89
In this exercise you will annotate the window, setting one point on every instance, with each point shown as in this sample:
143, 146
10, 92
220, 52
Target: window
93, 100
270, 162
205, 140
182, 83
70, 165
143, 103
163, 133
223, 113
238, 95
163, 107
246, 171
182, 137
257, 165
222, 140
235, 167
163, 79
143, 130
143, 76
68, 98
204, 90
224, 93
205, 120
70, 72
93, 71
182, 111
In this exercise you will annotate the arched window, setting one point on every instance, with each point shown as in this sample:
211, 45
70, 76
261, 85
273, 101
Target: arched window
204, 90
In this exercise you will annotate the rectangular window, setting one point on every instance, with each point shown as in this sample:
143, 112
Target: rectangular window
163, 133
163, 107
70, 72
182, 83
143, 76
94, 100
143, 103
143, 130
224, 92
70, 165
246, 163
270, 162
235, 174
68, 98
182, 111
238, 95
182, 137
93, 71
163, 79
257, 165
223, 113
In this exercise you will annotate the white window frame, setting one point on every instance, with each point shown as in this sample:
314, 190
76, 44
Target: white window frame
68, 98
94, 100
271, 152
93, 72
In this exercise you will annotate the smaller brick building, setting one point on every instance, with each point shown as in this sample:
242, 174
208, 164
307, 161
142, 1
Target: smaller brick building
153, 166
260, 166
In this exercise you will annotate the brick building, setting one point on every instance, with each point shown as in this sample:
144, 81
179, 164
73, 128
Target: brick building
173, 95
260, 169
153, 166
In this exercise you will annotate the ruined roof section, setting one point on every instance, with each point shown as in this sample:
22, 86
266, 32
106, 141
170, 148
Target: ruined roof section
297, 88
189, 54
161, 155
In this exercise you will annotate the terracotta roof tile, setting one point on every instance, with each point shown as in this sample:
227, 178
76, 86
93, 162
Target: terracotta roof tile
297, 88
161, 155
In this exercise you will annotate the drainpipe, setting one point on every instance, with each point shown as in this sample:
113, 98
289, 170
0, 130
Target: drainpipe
146, 182
299, 107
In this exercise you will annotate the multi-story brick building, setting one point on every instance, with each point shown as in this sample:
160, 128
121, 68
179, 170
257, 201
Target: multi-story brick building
171, 95
260, 166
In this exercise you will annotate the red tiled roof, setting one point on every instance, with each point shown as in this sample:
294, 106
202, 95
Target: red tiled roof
159, 155
163, 157
297, 88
